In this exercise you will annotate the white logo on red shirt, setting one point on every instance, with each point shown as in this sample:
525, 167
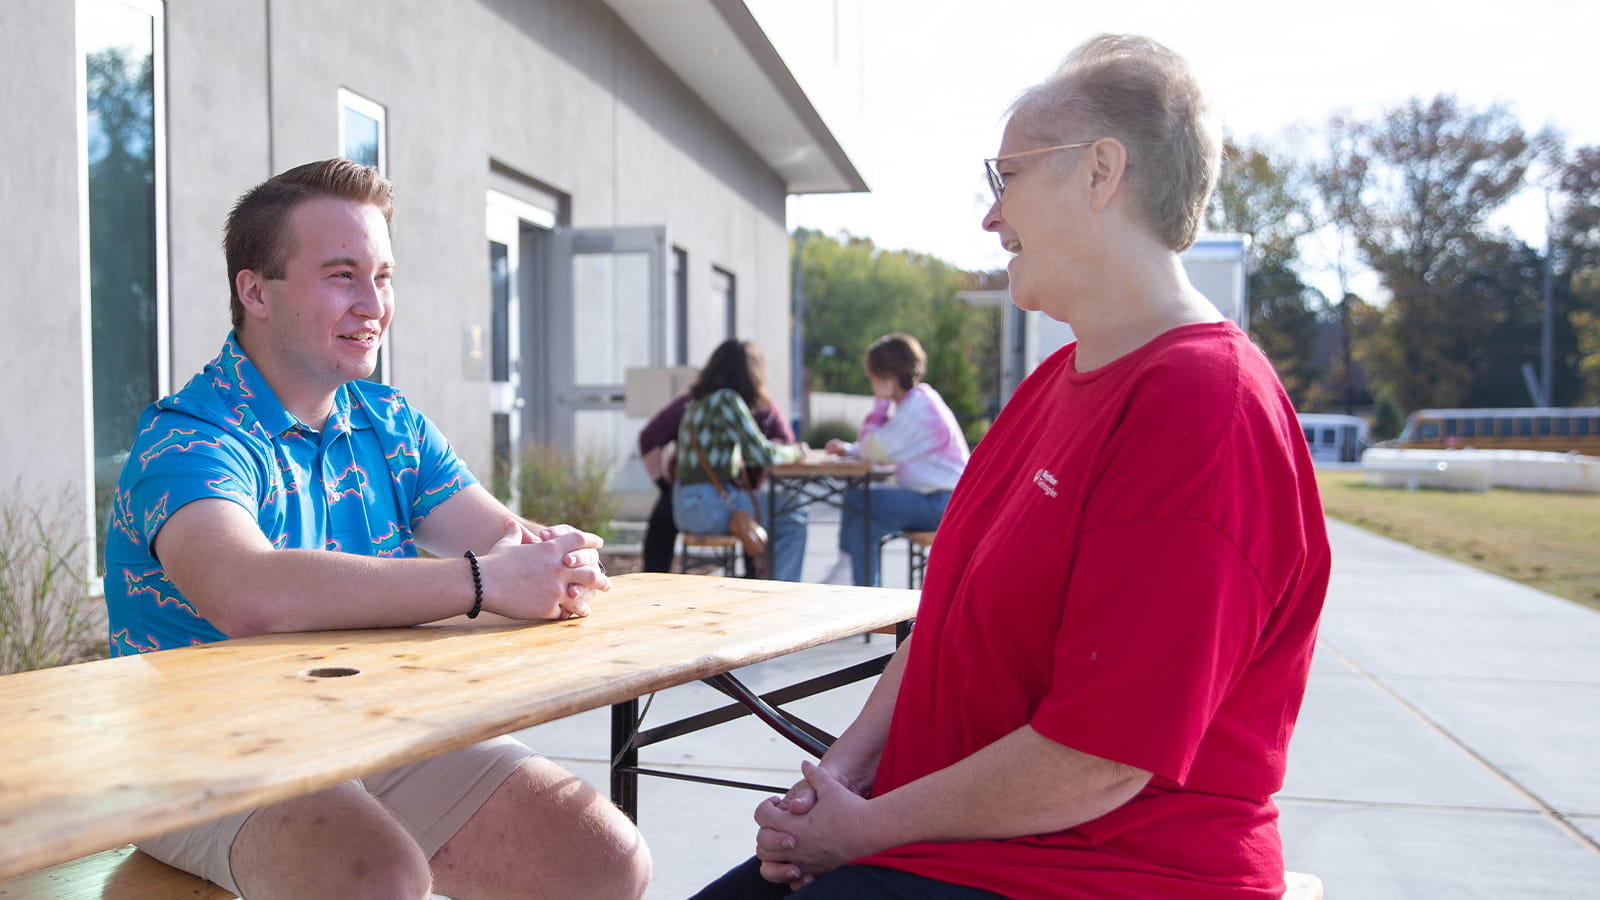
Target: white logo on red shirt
1045, 481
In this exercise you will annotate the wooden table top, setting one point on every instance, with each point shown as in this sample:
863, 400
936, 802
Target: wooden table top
103, 753
817, 463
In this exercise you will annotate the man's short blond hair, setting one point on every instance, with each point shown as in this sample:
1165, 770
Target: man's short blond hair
1145, 95
258, 235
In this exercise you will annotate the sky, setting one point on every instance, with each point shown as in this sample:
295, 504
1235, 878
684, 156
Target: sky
921, 100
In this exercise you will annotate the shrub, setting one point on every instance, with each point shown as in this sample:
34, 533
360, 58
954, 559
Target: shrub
45, 614
1387, 418
975, 429
554, 486
818, 435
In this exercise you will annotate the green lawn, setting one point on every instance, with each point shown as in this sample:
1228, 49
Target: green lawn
1545, 540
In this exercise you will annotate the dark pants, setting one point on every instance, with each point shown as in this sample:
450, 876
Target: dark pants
660, 535
744, 882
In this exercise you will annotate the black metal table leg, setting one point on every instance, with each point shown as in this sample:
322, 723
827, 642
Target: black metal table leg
625, 758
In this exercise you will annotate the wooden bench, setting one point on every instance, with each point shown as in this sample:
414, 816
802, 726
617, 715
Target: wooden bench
917, 544
128, 874
725, 548
1300, 886
125, 873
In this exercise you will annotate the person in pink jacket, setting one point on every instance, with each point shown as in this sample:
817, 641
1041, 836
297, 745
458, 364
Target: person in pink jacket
909, 425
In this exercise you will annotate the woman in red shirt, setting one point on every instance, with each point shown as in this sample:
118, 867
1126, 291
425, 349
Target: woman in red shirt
1120, 607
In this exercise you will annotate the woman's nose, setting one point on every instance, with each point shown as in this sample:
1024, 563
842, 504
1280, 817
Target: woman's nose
991, 219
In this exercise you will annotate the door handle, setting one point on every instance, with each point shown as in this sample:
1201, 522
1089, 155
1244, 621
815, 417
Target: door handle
591, 398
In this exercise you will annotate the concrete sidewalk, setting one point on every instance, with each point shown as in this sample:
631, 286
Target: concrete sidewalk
1446, 746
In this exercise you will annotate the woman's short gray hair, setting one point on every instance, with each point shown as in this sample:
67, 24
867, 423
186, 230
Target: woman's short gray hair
1146, 96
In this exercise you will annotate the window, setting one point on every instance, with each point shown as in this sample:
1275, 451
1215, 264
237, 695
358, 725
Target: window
724, 297
1311, 434
500, 365
124, 190
1580, 427
1469, 427
362, 135
1504, 427
1430, 431
363, 139
679, 327
1524, 426
1330, 436
1450, 426
1563, 426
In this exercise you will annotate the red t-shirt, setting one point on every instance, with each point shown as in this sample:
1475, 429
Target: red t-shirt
1133, 564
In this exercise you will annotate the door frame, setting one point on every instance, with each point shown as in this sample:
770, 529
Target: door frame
516, 225
560, 347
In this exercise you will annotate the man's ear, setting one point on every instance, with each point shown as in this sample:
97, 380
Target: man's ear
251, 287
1109, 163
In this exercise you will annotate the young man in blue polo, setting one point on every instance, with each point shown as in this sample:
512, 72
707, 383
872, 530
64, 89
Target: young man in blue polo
235, 492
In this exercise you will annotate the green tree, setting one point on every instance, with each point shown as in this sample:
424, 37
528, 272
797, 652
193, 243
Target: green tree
1266, 199
1414, 192
1387, 416
949, 344
988, 340
1493, 286
1586, 331
1576, 276
856, 293
1577, 228
1336, 182
1284, 323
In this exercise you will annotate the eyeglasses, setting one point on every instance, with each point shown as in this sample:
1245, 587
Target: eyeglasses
998, 184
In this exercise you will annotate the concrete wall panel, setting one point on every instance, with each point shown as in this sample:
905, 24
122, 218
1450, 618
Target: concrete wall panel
217, 148
557, 91
43, 441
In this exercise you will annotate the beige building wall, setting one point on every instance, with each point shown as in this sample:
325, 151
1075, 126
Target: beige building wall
557, 101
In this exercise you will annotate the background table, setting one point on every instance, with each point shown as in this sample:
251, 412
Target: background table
103, 753
824, 478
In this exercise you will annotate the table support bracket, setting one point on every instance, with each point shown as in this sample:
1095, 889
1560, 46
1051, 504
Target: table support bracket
627, 738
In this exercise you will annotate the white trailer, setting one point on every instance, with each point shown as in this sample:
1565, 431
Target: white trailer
1216, 266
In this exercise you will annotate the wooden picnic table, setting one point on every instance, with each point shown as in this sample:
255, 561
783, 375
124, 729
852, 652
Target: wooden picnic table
103, 753
821, 477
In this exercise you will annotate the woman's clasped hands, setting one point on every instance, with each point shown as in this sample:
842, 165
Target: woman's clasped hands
818, 826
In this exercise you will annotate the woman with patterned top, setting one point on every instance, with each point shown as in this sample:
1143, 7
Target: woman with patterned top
658, 451
910, 426
720, 434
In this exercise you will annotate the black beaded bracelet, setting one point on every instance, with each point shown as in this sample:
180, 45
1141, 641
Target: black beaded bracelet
477, 585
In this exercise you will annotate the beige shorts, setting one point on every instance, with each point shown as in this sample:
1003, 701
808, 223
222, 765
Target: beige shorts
431, 799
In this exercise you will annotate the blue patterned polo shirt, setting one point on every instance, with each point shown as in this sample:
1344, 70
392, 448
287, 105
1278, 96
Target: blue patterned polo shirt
361, 485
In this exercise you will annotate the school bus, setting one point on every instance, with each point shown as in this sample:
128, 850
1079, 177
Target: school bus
1530, 428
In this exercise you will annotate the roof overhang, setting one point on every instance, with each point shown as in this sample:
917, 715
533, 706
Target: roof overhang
720, 52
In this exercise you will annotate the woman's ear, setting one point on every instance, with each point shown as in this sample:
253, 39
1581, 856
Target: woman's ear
1109, 162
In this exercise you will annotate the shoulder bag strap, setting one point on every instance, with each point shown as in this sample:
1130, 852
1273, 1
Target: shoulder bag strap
744, 482
705, 465
694, 441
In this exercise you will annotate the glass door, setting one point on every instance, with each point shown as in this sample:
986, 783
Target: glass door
609, 313
513, 230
